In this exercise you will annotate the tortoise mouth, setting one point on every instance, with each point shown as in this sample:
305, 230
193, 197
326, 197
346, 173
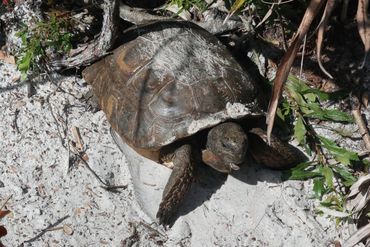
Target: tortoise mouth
217, 163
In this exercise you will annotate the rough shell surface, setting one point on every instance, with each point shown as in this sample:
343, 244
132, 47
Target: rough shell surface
168, 81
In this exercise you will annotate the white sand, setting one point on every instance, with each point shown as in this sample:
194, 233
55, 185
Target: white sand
251, 208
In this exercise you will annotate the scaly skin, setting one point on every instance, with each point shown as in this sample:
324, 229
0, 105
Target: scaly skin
278, 155
178, 184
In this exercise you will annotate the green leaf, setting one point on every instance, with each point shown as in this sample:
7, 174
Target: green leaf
294, 93
25, 63
303, 89
298, 85
300, 172
300, 130
333, 201
318, 187
326, 96
284, 111
338, 116
347, 178
311, 97
328, 174
327, 114
342, 155
307, 149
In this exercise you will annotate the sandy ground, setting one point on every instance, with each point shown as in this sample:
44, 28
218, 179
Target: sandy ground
252, 207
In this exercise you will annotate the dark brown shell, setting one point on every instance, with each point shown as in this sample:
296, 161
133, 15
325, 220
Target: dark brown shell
170, 80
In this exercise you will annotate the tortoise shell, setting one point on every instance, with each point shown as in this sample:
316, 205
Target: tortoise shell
169, 80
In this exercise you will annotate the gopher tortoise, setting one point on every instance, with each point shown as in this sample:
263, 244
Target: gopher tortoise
173, 92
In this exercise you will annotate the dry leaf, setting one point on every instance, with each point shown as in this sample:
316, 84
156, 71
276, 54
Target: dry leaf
364, 199
337, 243
6, 58
287, 61
236, 6
359, 195
85, 157
67, 229
358, 236
3, 213
77, 137
268, 14
3, 231
360, 183
365, 99
320, 34
363, 25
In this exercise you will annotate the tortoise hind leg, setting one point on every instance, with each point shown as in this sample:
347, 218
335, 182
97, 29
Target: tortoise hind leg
277, 155
178, 183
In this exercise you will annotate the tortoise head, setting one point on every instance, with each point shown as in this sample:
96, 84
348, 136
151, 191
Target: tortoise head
226, 147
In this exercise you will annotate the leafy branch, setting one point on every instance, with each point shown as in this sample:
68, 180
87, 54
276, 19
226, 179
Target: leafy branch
331, 166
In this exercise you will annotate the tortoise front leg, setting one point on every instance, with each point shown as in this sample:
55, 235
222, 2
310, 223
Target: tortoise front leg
178, 183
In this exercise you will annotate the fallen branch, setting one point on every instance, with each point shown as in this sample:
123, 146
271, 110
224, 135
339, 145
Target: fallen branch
213, 19
97, 48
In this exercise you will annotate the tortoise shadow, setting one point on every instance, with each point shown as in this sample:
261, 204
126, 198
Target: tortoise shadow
251, 173
209, 181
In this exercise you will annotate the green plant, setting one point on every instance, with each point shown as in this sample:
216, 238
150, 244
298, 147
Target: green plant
188, 4
332, 166
46, 36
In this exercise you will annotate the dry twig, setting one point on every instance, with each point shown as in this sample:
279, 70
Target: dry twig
5, 202
356, 112
363, 25
105, 185
287, 62
320, 34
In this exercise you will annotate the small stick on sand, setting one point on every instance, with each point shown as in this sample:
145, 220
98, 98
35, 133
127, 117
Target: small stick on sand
77, 136
106, 185
5, 202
